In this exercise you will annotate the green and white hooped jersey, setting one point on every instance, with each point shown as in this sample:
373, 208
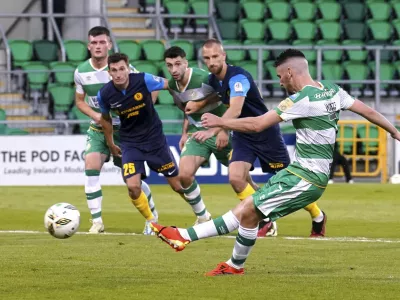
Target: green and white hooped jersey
89, 80
196, 89
315, 113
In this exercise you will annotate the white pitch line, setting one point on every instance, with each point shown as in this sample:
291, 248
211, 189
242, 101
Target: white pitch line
326, 239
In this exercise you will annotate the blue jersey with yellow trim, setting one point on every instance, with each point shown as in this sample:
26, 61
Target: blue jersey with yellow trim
140, 124
239, 82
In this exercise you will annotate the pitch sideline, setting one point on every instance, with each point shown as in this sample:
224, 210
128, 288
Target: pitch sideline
327, 239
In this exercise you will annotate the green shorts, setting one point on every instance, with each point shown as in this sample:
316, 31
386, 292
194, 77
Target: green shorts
195, 148
96, 143
284, 194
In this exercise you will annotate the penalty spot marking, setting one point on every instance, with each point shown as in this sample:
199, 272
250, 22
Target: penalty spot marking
326, 239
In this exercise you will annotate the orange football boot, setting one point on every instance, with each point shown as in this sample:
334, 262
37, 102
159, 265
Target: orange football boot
224, 269
170, 235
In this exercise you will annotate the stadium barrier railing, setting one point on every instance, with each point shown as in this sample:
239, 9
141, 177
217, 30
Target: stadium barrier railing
365, 147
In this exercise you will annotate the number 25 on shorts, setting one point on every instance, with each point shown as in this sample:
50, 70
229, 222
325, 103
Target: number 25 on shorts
129, 168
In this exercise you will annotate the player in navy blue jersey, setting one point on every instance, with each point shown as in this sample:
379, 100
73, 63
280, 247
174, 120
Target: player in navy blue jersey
141, 133
237, 89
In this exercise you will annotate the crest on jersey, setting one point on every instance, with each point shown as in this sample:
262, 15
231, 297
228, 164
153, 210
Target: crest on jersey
238, 87
285, 104
156, 78
138, 96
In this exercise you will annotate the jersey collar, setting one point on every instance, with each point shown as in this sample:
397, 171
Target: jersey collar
101, 69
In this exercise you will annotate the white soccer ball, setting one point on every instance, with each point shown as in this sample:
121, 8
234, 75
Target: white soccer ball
62, 220
395, 179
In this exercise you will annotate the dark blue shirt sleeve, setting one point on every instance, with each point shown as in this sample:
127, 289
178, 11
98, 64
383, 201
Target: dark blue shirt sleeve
239, 85
153, 83
104, 106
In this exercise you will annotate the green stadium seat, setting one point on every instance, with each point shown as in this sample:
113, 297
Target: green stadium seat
130, 48
3, 117
283, 43
370, 147
381, 31
396, 7
254, 30
76, 50
164, 72
330, 30
330, 10
380, 11
21, 51
63, 72
234, 55
396, 26
254, 11
312, 69
177, 7
200, 8
186, 45
387, 72
62, 96
311, 55
229, 11
45, 50
330, 55
355, 30
332, 71
153, 50
251, 67
354, 11
164, 97
146, 66
193, 64
228, 29
305, 11
279, 30
304, 30
279, 10
170, 113
355, 55
78, 115
36, 80
356, 71
269, 66
254, 53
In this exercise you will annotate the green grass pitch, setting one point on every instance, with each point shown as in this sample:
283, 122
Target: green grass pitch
359, 259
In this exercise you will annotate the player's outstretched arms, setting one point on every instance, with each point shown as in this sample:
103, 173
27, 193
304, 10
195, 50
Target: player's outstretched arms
253, 124
374, 117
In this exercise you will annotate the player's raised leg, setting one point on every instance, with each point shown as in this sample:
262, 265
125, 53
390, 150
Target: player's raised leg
188, 166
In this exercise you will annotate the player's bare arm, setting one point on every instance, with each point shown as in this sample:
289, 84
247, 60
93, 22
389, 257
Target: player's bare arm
253, 124
195, 106
185, 129
374, 117
106, 123
234, 111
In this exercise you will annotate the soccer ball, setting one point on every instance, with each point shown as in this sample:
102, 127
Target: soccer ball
395, 179
62, 220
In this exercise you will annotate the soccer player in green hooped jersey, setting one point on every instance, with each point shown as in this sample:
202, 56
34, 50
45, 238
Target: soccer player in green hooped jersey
90, 76
189, 87
314, 108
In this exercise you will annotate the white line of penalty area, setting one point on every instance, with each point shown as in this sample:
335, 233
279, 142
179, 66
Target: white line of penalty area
324, 239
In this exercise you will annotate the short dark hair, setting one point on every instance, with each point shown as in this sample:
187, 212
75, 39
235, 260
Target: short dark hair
174, 52
285, 55
211, 42
99, 30
117, 57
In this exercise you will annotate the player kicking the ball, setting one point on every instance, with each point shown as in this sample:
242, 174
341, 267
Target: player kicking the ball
314, 108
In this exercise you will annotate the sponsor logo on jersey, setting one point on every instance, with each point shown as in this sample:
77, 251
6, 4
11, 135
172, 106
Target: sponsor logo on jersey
138, 96
325, 94
238, 87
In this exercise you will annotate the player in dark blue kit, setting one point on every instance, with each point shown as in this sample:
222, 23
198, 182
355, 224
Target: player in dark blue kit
238, 90
141, 134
